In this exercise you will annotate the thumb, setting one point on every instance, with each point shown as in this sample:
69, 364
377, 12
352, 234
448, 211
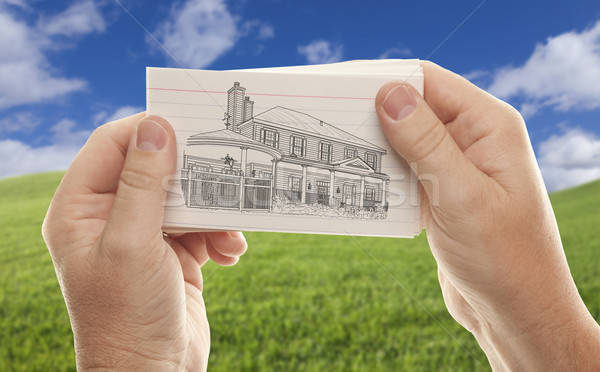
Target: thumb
419, 136
137, 212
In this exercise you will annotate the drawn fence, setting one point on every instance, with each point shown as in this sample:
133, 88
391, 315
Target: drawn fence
224, 191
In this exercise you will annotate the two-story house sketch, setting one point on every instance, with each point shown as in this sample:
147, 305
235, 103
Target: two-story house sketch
283, 161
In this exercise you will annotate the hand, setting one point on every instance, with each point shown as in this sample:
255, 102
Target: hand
489, 223
134, 297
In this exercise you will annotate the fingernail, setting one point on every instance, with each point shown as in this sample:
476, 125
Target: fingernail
399, 102
151, 136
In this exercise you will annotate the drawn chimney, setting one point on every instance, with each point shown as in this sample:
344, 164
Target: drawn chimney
248, 108
235, 106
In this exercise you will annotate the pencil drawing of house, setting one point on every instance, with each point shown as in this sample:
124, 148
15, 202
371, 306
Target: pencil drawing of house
283, 161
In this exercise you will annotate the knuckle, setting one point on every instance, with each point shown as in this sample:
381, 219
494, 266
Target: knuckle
53, 230
511, 118
100, 132
139, 179
427, 141
48, 234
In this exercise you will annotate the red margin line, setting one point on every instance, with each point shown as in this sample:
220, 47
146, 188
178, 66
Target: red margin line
259, 94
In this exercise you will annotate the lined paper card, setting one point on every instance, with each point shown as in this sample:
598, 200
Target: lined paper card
293, 149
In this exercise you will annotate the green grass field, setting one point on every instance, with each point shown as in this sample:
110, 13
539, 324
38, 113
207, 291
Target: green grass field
293, 303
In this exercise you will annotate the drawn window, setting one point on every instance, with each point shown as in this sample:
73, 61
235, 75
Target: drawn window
325, 151
350, 153
294, 183
297, 146
369, 193
269, 137
371, 160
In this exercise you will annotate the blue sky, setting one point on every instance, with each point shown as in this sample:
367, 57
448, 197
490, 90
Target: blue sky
67, 67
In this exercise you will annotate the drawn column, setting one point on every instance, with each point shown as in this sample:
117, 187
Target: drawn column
303, 185
187, 165
386, 185
243, 162
273, 183
189, 186
331, 188
361, 192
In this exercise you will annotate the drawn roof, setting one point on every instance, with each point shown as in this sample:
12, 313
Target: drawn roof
229, 137
219, 134
302, 122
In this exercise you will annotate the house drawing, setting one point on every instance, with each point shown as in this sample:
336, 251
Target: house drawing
283, 161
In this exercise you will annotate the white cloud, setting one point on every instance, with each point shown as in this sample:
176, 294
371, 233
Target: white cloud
21, 122
476, 74
65, 142
528, 109
79, 19
103, 117
198, 32
98, 118
63, 134
16, 3
261, 30
123, 112
26, 76
19, 158
569, 159
265, 31
562, 73
395, 52
321, 51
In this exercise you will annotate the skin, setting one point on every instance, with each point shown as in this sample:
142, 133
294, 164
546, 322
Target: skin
135, 297
490, 225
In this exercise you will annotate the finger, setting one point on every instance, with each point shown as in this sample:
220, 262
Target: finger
219, 258
228, 243
468, 112
137, 213
482, 126
98, 165
189, 266
95, 170
448, 94
195, 243
418, 135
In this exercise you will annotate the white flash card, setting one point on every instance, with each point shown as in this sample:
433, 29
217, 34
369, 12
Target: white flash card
294, 149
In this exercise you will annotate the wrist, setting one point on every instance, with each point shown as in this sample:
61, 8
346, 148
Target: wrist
148, 355
564, 337
114, 359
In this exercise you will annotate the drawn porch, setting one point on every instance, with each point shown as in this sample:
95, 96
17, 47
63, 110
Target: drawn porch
210, 183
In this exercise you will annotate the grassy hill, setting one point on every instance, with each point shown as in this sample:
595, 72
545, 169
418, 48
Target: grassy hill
294, 302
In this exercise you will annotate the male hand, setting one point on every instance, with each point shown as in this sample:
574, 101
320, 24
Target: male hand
134, 296
489, 223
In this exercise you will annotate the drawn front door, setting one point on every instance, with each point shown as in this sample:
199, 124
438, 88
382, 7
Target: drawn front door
349, 194
323, 192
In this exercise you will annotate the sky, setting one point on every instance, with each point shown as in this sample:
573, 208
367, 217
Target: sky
67, 67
